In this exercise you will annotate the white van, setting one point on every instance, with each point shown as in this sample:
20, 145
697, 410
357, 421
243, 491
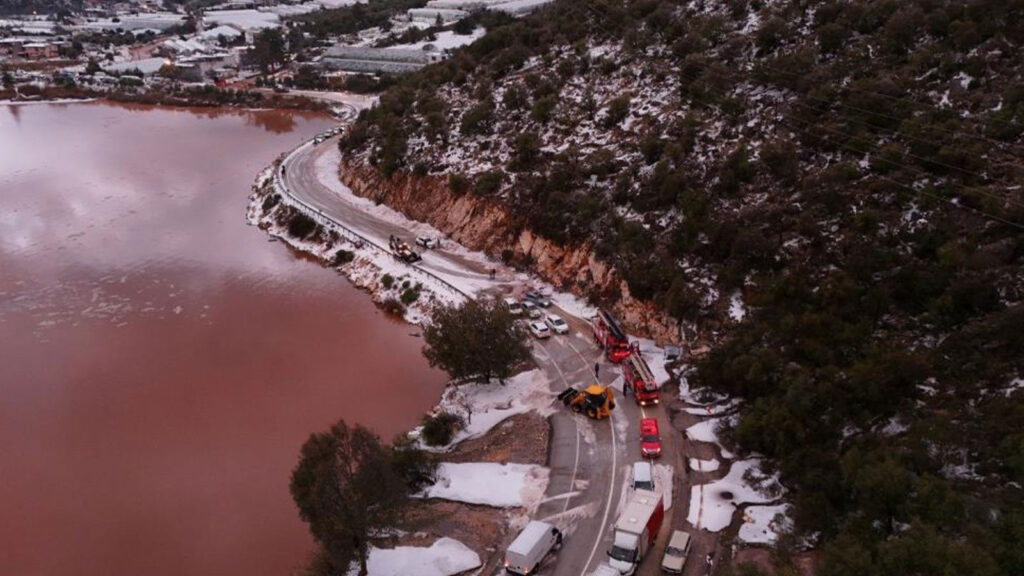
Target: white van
525, 553
643, 476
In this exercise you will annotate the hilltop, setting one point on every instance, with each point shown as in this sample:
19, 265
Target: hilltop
823, 196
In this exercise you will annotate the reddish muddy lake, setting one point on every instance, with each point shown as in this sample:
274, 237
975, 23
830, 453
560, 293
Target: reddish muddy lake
160, 361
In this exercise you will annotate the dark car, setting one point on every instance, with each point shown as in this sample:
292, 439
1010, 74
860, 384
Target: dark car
537, 298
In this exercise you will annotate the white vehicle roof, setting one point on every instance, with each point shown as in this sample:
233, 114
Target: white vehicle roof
556, 319
640, 508
642, 471
511, 302
679, 540
523, 544
538, 325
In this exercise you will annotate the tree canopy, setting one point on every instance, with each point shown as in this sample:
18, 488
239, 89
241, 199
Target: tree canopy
479, 339
349, 487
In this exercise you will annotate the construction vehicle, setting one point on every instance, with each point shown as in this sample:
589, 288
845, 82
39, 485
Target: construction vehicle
610, 336
635, 531
402, 251
639, 377
595, 401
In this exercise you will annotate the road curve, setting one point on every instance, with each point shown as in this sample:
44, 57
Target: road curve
589, 460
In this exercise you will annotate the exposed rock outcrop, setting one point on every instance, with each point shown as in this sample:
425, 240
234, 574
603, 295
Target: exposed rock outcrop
480, 224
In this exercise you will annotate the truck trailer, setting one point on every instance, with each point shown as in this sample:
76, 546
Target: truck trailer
635, 531
638, 375
610, 336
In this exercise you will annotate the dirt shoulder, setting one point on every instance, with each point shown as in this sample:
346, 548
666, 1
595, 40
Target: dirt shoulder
521, 439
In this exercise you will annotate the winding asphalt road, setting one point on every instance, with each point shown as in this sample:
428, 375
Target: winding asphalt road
589, 460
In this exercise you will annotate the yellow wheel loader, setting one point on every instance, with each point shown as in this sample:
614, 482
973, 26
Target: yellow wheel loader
595, 401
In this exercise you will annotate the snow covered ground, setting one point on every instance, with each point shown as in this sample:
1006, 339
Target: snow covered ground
484, 406
443, 558
712, 505
242, 19
762, 524
707, 431
699, 465
737, 310
655, 358
446, 40
490, 484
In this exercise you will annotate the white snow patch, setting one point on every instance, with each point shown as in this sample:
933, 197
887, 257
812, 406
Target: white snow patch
484, 406
491, 484
443, 558
699, 465
706, 431
1014, 385
761, 524
655, 357
712, 505
737, 311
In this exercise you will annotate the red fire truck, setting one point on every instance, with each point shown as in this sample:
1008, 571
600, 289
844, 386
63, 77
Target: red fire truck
610, 336
638, 376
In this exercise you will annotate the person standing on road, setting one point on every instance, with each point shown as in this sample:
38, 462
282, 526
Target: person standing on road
597, 369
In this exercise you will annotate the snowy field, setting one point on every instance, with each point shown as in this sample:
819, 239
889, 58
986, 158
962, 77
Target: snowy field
484, 406
490, 484
761, 524
712, 505
446, 40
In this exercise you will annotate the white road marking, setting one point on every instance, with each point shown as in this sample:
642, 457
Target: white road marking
608, 504
576, 461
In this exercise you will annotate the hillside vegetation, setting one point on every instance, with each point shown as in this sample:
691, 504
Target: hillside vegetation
852, 170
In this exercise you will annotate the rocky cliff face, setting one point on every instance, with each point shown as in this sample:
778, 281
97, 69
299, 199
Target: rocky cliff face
488, 226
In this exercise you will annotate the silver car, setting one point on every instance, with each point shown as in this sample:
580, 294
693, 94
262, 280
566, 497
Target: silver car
676, 552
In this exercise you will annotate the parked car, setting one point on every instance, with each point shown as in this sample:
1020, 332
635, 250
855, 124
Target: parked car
557, 325
675, 554
428, 242
540, 330
533, 544
643, 476
513, 306
538, 298
531, 310
650, 439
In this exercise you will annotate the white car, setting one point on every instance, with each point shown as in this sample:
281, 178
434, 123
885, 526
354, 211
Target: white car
557, 325
540, 330
531, 310
513, 306
428, 242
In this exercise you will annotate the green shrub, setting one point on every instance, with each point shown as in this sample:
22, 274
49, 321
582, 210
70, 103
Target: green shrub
410, 295
270, 201
488, 183
618, 108
343, 257
543, 108
387, 281
478, 119
393, 307
439, 429
302, 226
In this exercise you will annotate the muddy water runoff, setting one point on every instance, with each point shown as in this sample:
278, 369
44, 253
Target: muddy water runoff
160, 361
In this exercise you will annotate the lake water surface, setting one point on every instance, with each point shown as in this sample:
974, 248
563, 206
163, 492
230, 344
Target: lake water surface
161, 362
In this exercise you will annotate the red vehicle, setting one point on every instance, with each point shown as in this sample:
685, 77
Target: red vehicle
638, 376
636, 531
650, 438
610, 336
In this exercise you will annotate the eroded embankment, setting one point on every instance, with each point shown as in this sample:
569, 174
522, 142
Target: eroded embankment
489, 227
